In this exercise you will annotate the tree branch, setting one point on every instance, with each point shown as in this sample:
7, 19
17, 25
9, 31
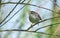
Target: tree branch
47, 26
28, 4
14, 14
27, 31
10, 13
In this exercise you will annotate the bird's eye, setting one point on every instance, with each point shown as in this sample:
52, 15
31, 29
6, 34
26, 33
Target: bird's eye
32, 12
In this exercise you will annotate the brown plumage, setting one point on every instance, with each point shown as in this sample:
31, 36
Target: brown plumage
34, 17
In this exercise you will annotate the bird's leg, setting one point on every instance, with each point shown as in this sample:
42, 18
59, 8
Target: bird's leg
31, 26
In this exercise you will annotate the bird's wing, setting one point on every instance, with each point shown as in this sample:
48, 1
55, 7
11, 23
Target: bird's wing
38, 16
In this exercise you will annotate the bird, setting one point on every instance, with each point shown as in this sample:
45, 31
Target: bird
34, 17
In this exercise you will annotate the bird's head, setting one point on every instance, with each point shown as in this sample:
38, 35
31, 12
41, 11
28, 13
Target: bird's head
32, 12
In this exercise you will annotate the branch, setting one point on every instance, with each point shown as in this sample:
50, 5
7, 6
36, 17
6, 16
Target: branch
27, 31
23, 1
29, 4
46, 26
55, 3
10, 12
20, 3
14, 14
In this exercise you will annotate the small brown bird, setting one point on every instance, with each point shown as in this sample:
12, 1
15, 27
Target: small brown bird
34, 17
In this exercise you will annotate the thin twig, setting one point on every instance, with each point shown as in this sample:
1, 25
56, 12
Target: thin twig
27, 31
23, 1
14, 14
47, 26
10, 12
55, 3
30, 5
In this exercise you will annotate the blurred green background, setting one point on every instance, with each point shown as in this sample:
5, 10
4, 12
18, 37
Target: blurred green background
49, 10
